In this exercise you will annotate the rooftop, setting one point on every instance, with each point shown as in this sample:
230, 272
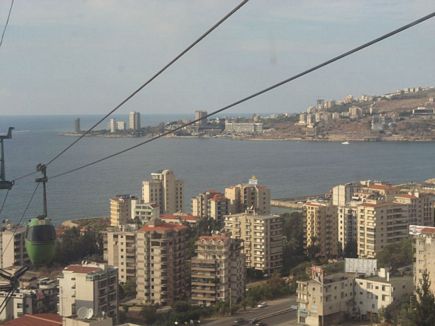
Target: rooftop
82, 269
36, 320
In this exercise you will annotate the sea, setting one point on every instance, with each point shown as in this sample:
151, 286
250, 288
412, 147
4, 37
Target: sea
289, 168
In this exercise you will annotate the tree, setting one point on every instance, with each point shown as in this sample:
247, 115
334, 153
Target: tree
396, 255
149, 313
350, 250
425, 304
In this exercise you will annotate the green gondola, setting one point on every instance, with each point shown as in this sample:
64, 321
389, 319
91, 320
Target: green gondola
40, 241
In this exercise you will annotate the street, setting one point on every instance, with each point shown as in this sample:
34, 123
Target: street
277, 313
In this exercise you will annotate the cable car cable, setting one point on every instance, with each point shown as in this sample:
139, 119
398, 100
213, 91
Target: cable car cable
129, 97
7, 23
4, 201
265, 90
21, 218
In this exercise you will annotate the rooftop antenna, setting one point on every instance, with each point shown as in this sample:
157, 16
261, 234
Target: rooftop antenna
4, 184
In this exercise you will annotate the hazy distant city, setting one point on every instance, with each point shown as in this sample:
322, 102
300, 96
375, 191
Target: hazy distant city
167, 163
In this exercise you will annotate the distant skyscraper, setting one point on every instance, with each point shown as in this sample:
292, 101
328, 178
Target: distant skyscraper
120, 125
77, 125
112, 125
201, 115
134, 121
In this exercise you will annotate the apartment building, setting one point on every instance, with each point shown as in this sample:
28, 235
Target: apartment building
250, 196
324, 299
330, 299
12, 245
243, 127
347, 225
89, 285
424, 253
217, 271
164, 190
321, 227
122, 209
143, 212
380, 223
120, 250
375, 293
134, 121
342, 194
420, 207
161, 263
210, 205
262, 239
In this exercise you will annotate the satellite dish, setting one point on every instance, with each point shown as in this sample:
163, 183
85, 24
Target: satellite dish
82, 312
89, 313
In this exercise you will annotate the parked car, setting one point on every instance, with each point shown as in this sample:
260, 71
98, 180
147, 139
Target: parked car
262, 305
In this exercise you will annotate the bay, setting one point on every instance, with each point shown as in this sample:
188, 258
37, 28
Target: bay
289, 168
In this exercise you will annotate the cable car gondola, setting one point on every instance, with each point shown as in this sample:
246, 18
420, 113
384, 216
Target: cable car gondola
40, 239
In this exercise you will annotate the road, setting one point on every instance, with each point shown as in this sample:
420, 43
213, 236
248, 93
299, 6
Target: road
270, 315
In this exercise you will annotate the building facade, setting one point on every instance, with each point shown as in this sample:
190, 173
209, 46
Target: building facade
161, 263
134, 121
217, 271
164, 190
380, 224
424, 253
210, 205
89, 285
120, 250
262, 239
250, 196
321, 228
12, 245
121, 209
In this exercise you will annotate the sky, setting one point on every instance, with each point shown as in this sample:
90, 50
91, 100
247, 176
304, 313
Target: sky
86, 56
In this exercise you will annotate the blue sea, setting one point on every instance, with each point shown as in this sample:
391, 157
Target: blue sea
289, 168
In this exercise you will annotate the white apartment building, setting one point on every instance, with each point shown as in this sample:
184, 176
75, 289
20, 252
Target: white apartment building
262, 239
164, 190
12, 245
217, 271
243, 127
89, 285
372, 294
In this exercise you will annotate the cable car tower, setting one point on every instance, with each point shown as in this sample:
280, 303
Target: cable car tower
4, 184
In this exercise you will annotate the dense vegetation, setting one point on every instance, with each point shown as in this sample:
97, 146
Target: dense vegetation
396, 255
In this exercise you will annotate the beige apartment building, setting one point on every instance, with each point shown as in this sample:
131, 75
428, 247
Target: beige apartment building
250, 196
89, 285
375, 293
164, 190
262, 239
420, 207
324, 299
121, 209
161, 263
217, 271
210, 205
347, 225
143, 212
380, 224
424, 253
12, 245
321, 227
120, 250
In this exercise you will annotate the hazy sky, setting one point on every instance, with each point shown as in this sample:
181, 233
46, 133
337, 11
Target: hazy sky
68, 57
